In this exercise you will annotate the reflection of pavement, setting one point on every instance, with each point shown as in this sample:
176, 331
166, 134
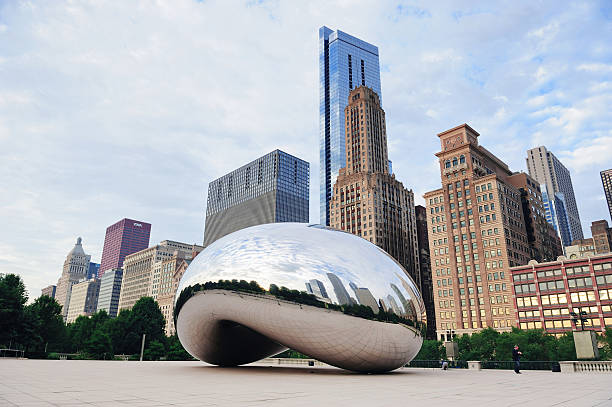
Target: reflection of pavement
330, 336
97, 383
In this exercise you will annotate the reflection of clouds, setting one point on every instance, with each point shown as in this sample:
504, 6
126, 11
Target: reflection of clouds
293, 254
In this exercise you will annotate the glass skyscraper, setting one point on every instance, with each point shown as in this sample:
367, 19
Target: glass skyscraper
273, 188
546, 168
345, 62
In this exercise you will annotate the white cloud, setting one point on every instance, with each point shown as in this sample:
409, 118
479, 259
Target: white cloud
595, 67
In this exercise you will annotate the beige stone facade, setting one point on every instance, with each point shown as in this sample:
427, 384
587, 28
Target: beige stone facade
141, 271
83, 299
580, 248
368, 201
171, 272
477, 231
75, 269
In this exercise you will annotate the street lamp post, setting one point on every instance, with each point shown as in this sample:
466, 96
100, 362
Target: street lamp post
579, 316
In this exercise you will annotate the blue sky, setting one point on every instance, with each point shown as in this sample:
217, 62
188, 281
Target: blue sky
128, 109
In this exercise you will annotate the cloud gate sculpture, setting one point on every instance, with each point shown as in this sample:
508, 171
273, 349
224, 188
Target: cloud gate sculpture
325, 293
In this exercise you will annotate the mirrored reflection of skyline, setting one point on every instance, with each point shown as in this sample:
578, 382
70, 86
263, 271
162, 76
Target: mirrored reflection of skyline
334, 266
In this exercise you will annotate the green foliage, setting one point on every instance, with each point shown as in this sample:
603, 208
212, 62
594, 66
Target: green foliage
99, 345
44, 325
13, 297
176, 350
154, 350
292, 354
148, 319
431, 350
535, 344
566, 350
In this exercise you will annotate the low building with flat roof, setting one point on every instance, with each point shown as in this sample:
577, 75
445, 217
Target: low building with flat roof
49, 290
546, 294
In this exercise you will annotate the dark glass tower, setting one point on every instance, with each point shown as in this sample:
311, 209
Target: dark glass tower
345, 62
273, 188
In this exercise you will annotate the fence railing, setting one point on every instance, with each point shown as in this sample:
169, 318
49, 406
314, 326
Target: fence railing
525, 365
437, 364
601, 366
493, 364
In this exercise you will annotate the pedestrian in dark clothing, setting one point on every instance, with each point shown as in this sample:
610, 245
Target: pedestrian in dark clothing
516, 357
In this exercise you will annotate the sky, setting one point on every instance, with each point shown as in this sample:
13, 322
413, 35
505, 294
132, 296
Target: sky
113, 109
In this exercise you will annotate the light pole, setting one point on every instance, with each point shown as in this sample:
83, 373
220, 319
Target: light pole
142, 346
579, 316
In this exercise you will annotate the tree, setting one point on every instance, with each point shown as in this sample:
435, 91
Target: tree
147, 318
118, 330
155, 350
99, 346
80, 331
44, 325
13, 297
566, 350
176, 350
431, 350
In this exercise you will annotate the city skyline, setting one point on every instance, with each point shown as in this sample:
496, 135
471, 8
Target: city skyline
439, 67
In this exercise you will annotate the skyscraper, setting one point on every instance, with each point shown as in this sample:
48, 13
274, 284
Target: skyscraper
142, 270
123, 238
83, 299
425, 281
367, 200
110, 289
345, 62
543, 240
547, 169
477, 231
75, 269
606, 182
94, 270
273, 188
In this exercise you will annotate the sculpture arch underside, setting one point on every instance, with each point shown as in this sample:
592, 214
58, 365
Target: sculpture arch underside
229, 328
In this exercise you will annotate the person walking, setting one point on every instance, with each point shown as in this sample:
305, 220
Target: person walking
516, 357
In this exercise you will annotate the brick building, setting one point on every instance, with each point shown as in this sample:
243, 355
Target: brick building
546, 294
477, 231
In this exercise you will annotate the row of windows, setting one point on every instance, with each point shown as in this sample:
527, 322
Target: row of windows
454, 161
522, 277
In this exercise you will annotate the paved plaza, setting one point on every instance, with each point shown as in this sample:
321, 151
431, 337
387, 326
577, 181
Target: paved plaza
99, 383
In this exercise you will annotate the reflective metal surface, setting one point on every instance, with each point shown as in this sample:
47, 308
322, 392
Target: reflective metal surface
344, 273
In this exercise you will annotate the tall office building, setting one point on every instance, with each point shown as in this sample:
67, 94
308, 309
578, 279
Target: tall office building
544, 167
273, 188
477, 231
606, 182
345, 62
75, 269
93, 271
367, 200
141, 270
171, 271
544, 243
425, 281
83, 299
123, 238
110, 289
